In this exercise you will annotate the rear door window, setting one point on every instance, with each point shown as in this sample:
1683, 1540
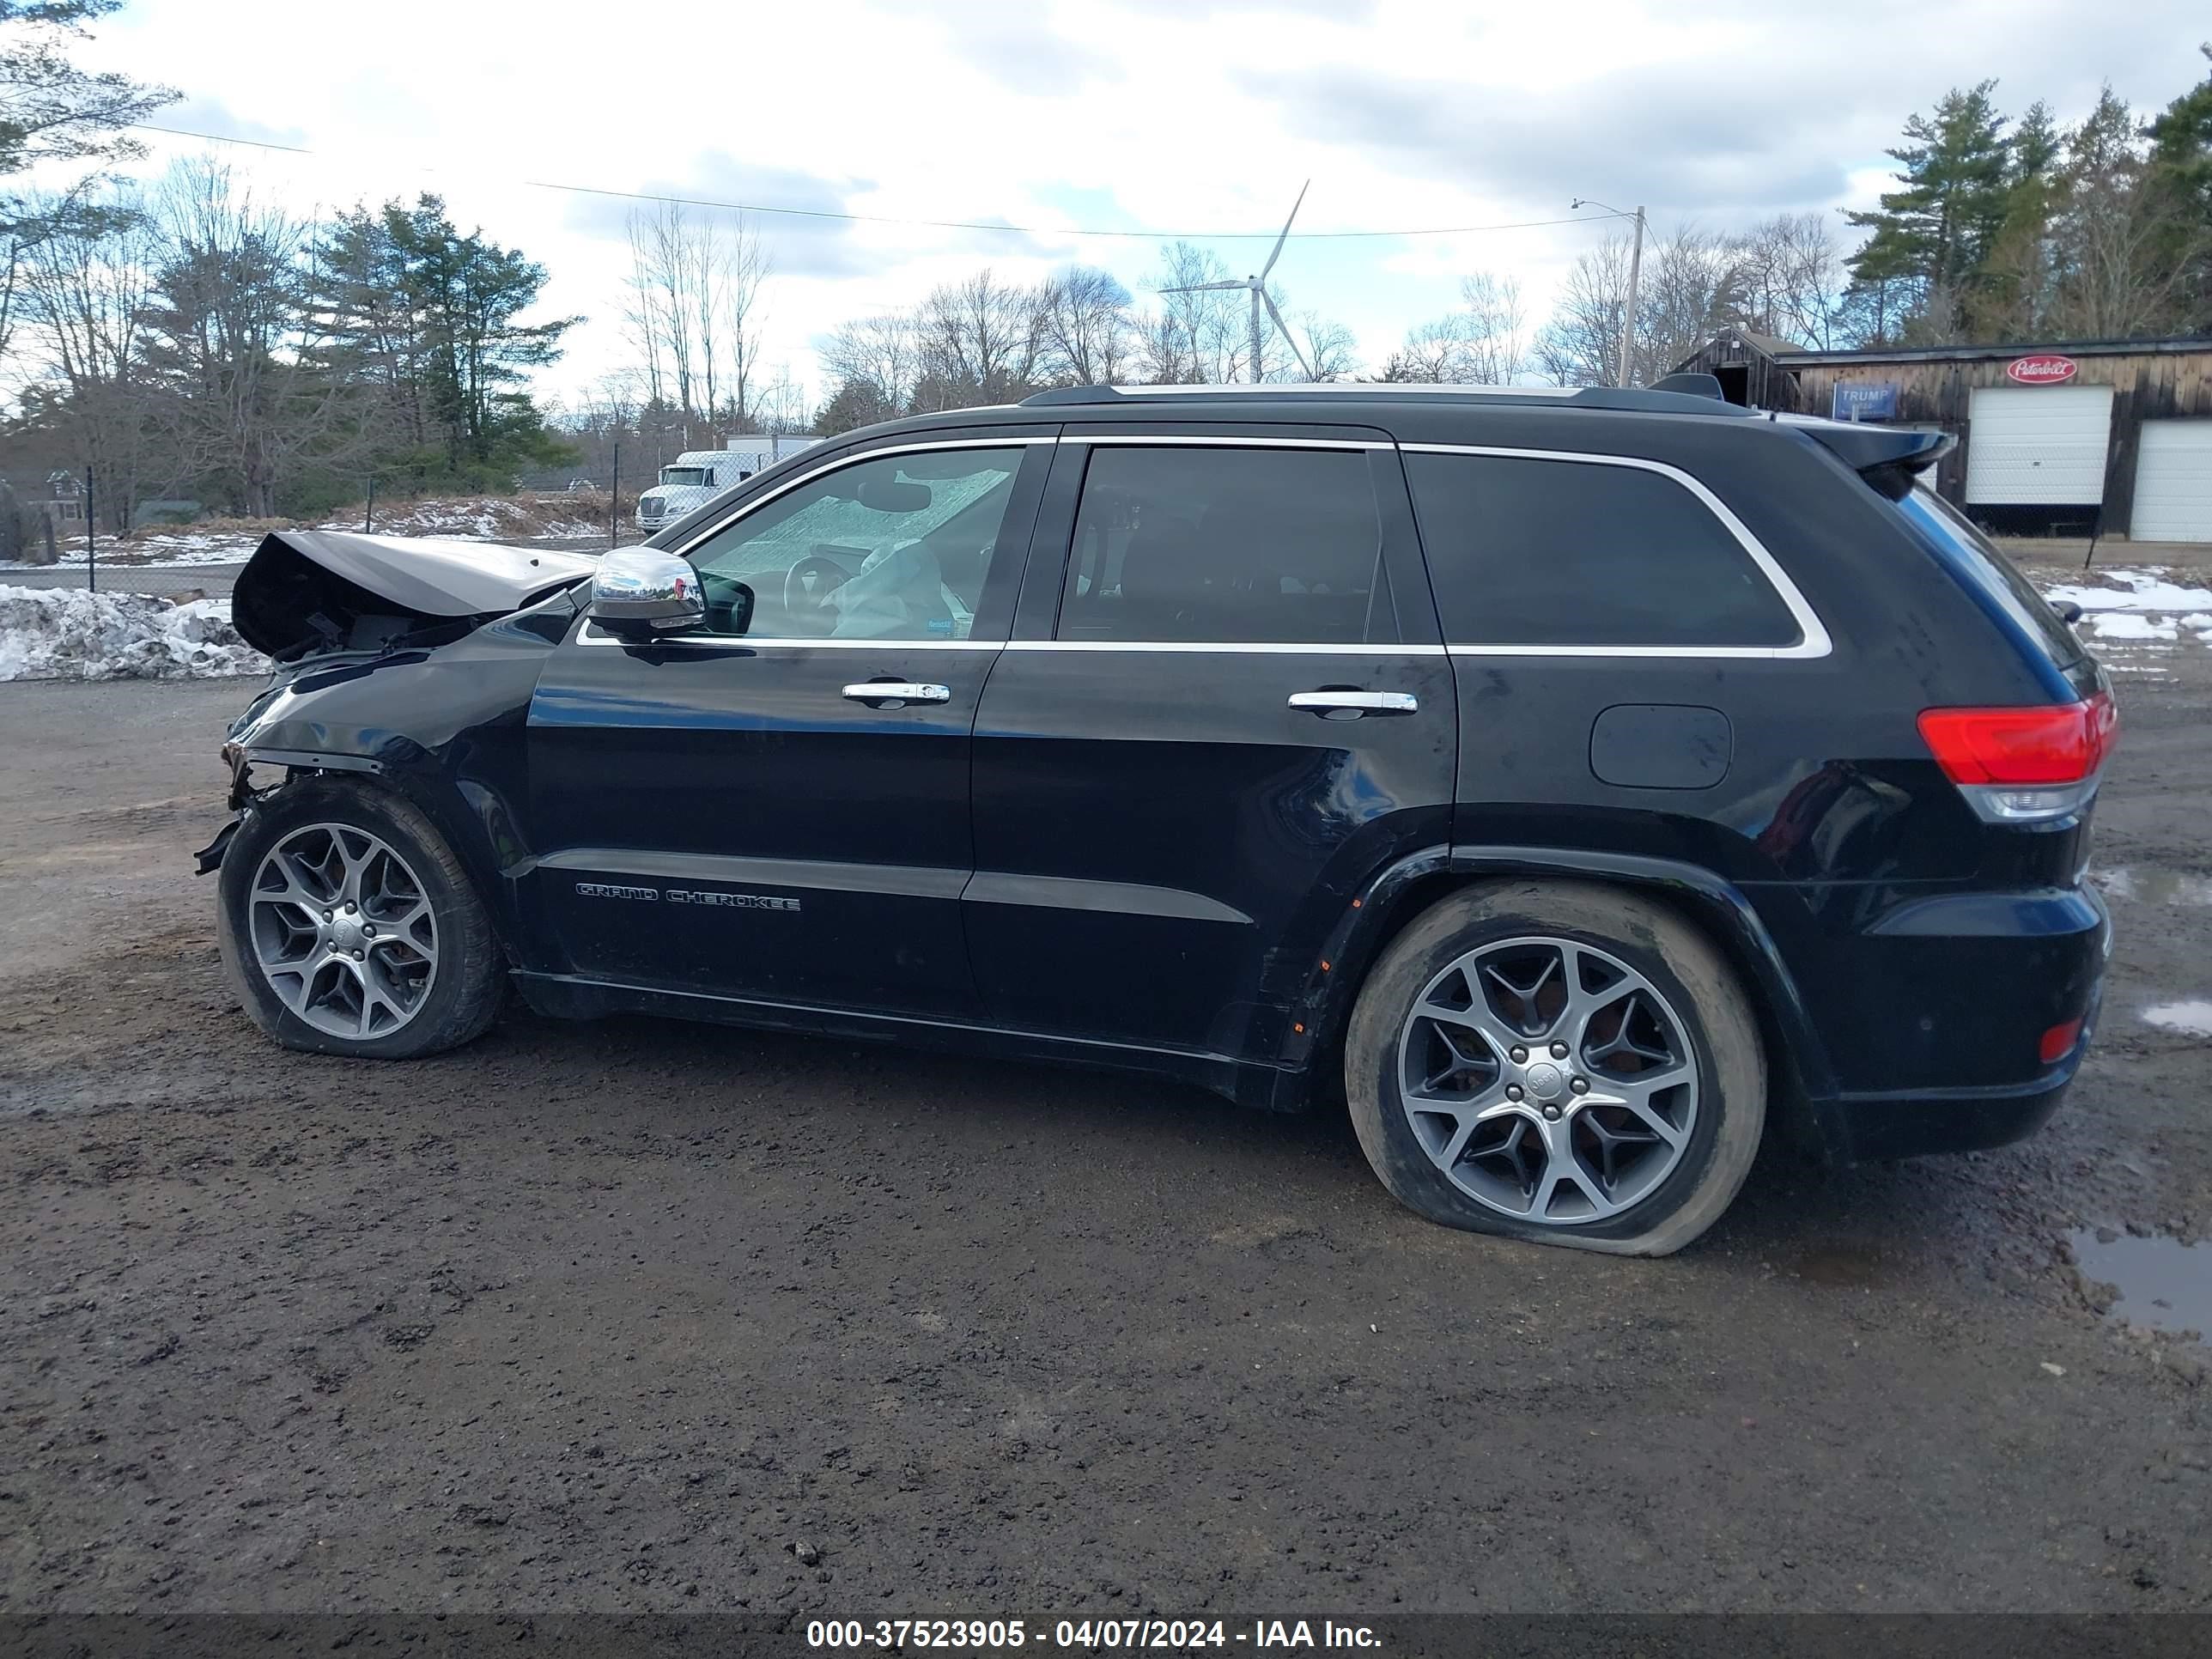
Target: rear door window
1532, 552
1200, 543
1983, 566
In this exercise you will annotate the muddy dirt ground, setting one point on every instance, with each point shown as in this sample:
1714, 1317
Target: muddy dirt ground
640, 1315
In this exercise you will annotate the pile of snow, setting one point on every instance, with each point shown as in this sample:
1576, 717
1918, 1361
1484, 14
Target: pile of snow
50, 633
479, 518
2140, 606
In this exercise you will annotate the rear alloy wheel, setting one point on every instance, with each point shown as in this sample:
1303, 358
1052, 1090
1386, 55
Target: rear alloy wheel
1548, 1080
1560, 1062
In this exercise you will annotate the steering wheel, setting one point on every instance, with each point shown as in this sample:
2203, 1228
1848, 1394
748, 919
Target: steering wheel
800, 599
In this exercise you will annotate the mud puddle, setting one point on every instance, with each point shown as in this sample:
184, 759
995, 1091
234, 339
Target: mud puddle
2164, 1284
2149, 885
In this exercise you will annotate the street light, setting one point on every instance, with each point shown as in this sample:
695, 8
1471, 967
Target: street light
1635, 267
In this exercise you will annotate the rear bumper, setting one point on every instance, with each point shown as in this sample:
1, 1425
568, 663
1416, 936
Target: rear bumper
1934, 1013
1871, 1127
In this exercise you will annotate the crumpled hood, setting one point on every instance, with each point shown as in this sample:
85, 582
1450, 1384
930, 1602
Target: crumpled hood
306, 591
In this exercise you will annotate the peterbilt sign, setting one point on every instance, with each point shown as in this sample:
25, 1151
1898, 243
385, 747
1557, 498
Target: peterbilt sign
2045, 370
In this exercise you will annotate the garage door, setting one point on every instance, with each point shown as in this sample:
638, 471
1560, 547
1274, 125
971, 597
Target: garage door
2174, 482
2037, 445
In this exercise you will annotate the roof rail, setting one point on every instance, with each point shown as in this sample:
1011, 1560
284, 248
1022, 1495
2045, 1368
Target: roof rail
1651, 401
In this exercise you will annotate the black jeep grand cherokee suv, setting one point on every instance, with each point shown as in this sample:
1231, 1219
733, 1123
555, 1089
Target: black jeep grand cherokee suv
1578, 782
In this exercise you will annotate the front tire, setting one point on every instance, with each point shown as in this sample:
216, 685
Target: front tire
1558, 1061
348, 925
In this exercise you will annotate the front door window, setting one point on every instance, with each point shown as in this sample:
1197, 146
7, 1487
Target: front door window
893, 548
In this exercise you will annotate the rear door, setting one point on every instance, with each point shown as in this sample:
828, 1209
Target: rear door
779, 812
1225, 705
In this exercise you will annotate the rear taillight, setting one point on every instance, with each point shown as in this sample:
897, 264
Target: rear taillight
2024, 765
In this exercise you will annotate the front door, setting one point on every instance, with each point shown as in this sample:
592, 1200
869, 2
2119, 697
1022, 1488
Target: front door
781, 814
1225, 706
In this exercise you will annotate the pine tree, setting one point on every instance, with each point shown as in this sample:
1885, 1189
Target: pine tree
2011, 295
468, 294
1930, 237
2181, 168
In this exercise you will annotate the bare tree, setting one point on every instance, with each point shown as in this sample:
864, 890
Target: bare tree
877, 353
692, 313
1495, 346
1212, 328
242, 394
979, 341
1485, 342
1580, 346
86, 285
746, 267
781, 403
1088, 337
1330, 351
1163, 354
1691, 280
1790, 281
2123, 238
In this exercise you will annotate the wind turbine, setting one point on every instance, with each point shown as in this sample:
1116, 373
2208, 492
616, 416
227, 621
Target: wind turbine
1258, 287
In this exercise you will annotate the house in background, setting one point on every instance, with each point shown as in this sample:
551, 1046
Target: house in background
2071, 437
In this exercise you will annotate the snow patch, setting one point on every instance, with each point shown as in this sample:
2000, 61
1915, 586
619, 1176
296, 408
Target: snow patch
2192, 1018
2133, 590
140, 551
478, 517
49, 632
2130, 625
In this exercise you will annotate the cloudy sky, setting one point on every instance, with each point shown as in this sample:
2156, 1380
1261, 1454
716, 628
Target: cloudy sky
1069, 117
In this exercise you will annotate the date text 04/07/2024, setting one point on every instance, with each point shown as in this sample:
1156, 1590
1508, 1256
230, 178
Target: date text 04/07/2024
1092, 1635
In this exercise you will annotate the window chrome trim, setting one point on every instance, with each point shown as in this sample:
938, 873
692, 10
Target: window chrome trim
839, 464
1224, 440
1813, 640
1219, 647
587, 636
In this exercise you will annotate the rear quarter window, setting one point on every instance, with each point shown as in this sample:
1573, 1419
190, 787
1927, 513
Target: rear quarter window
1542, 552
1981, 566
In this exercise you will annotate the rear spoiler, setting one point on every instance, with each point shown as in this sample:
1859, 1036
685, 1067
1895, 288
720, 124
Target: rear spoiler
1888, 458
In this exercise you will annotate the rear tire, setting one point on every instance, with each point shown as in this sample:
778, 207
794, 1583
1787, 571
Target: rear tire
348, 927
1559, 1062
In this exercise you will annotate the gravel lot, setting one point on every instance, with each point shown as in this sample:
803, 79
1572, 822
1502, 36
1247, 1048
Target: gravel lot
645, 1317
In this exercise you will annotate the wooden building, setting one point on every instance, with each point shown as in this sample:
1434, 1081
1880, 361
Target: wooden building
2113, 436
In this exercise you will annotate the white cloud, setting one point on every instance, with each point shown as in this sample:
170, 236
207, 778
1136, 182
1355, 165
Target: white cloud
1177, 114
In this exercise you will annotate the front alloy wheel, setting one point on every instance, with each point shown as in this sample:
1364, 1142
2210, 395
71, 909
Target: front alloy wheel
343, 931
1548, 1080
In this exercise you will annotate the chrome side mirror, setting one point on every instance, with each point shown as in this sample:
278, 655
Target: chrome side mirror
641, 595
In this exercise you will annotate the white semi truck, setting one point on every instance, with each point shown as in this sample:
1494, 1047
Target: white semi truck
697, 476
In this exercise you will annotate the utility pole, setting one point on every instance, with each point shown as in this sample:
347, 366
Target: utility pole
1628, 312
613, 497
91, 539
1635, 270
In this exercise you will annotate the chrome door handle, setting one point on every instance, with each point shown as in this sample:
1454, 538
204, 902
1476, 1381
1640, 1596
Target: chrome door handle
898, 691
1357, 703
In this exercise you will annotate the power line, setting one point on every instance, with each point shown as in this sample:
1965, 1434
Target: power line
938, 224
